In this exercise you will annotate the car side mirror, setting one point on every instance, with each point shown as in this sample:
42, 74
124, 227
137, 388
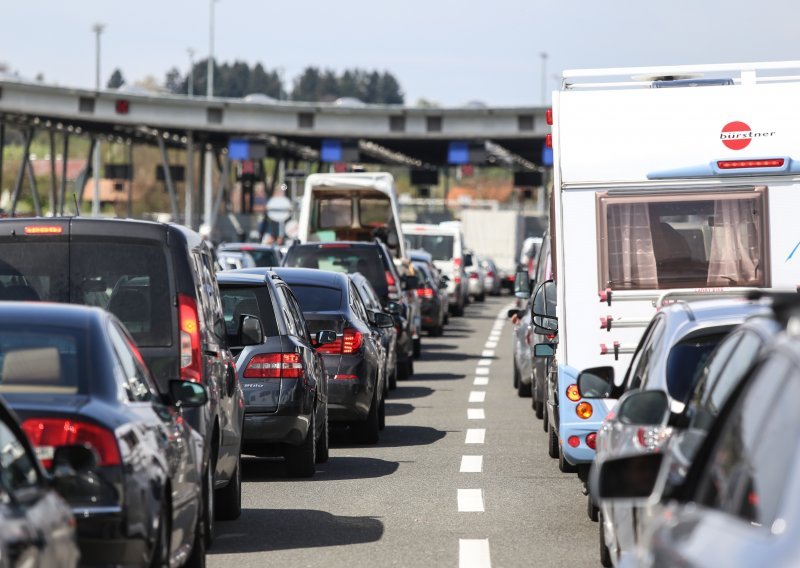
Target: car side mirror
544, 350
632, 477
325, 337
251, 332
72, 459
522, 285
394, 308
596, 382
383, 320
187, 394
643, 407
513, 312
543, 309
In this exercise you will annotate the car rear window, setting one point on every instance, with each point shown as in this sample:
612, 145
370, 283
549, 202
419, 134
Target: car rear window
347, 259
262, 257
254, 301
131, 280
440, 247
45, 360
317, 298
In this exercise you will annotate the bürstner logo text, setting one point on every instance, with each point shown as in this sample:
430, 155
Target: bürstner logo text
737, 135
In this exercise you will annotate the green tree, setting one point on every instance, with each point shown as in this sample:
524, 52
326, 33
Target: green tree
116, 80
174, 83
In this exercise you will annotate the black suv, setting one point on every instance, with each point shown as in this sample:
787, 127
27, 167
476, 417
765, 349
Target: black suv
159, 281
374, 262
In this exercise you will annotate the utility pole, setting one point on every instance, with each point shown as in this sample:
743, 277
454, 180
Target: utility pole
97, 29
208, 186
191, 53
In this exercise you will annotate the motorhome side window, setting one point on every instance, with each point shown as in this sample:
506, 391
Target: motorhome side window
683, 241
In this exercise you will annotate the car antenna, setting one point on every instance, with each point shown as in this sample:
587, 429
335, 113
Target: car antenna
77, 207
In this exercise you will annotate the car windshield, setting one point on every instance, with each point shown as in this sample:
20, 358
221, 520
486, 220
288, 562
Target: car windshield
440, 247
348, 259
43, 360
317, 298
686, 361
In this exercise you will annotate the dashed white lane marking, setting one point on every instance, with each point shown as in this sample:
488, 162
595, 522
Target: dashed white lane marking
474, 553
484, 362
491, 345
482, 371
477, 396
487, 353
470, 501
475, 414
494, 336
481, 381
471, 464
475, 436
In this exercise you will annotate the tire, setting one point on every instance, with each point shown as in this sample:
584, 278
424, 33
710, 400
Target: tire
545, 419
367, 431
229, 498
605, 554
552, 444
401, 371
592, 510
417, 348
209, 505
458, 310
162, 548
393, 378
523, 390
382, 414
563, 465
446, 317
410, 364
323, 444
301, 460
516, 376
481, 298
197, 557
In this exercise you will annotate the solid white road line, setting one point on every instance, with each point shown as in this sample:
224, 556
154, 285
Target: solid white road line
475, 436
481, 381
470, 501
471, 464
477, 396
484, 362
475, 414
491, 345
487, 353
474, 553
482, 371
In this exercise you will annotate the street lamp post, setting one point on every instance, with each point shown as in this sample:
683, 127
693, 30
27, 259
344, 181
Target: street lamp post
543, 55
191, 53
97, 29
207, 189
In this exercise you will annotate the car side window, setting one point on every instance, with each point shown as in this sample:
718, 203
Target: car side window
297, 315
291, 324
17, 469
134, 382
638, 372
700, 415
748, 467
739, 362
357, 304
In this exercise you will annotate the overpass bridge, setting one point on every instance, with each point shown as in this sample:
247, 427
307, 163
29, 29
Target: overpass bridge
291, 131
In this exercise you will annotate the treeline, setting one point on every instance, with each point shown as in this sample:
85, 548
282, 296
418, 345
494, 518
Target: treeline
238, 80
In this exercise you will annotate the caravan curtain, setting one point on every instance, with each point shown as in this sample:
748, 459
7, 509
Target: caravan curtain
734, 256
631, 262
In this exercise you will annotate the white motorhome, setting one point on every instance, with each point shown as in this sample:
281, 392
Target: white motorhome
669, 183
352, 207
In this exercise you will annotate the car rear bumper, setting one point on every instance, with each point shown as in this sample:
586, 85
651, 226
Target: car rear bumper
285, 427
349, 397
102, 539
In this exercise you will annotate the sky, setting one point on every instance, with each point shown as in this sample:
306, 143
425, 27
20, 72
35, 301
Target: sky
447, 51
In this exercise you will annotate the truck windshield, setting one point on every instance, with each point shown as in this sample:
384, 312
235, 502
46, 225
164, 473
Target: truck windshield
693, 240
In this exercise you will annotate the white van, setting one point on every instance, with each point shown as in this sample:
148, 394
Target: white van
445, 243
352, 207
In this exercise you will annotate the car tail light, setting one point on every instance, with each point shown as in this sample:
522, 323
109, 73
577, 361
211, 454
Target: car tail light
391, 284
345, 377
574, 441
425, 292
572, 393
457, 265
473, 275
490, 274
43, 230
348, 343
190, 339
584, 410
47, 434
274, 366
591, 440
652, 438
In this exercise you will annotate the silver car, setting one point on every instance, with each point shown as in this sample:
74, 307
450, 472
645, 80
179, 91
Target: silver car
670, 356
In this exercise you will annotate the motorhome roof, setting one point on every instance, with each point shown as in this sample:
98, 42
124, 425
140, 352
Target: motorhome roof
378, 181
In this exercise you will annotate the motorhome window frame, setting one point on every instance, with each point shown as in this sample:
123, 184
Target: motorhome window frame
604, 198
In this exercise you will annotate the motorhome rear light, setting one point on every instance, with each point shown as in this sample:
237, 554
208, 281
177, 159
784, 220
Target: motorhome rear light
47, 434
574, 441
744, 164
43, 230
425, 292
572, 393
190, 338
548, 116
274, 366
591, 440
584, 410
548, 140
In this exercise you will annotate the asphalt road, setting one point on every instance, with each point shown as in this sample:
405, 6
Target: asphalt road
423, 496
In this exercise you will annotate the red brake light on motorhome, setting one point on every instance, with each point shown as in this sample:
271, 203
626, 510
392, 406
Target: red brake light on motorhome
591, 440
744, 164
43, 230
548, 140
190, 338
47, 434
274, 366
548, 116
572, 393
